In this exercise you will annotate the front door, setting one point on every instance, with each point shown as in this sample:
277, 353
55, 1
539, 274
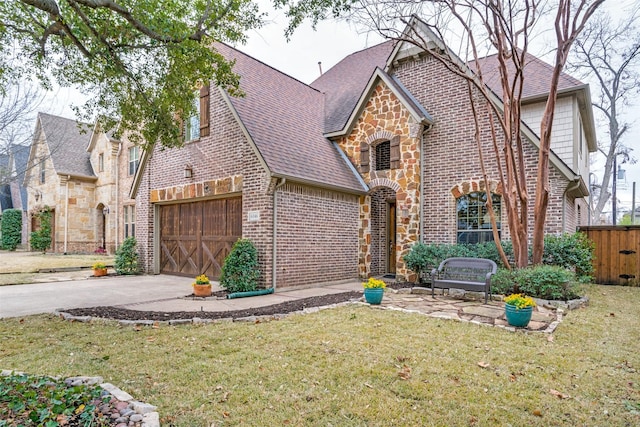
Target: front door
391, 237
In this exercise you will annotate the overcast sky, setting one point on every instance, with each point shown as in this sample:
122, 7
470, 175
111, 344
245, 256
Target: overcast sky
334, 40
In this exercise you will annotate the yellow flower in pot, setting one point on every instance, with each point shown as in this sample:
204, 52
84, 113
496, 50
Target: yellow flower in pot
374, 290
99, 269
202, 286
518, 309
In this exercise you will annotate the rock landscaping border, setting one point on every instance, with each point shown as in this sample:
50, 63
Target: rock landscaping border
124, 408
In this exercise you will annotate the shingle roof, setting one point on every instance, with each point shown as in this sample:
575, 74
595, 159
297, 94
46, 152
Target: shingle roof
284, 118
343, 83
67, 140
538, 75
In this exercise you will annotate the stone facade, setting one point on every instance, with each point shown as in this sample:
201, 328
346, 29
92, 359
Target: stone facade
383, 118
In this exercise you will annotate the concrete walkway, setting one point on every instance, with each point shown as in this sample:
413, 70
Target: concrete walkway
169, 294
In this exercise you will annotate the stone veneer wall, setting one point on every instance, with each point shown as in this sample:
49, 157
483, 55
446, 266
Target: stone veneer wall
383, 117
317, 235
452, 153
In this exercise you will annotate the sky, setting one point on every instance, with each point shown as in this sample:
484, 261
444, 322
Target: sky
333, 40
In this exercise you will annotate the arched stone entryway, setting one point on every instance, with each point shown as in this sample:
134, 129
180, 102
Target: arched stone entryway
383, 231
101, 225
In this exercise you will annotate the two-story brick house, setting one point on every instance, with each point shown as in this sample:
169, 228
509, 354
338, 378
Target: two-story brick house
337, 179
84, 176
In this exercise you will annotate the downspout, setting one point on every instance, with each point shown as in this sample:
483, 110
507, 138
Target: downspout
117, 195
422, 193
570, 187
275, 233
66, 213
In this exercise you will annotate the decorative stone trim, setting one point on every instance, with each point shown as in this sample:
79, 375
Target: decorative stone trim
214, 187
379, 136
147, 415
384, 182
471, 186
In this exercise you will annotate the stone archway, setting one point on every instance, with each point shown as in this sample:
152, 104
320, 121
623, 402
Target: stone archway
101, 225
383, 231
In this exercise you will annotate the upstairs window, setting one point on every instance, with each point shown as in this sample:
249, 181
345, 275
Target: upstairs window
383, 156
474, 220
192, 124
101, 162
134, 160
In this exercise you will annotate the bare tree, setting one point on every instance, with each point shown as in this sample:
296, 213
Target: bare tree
608, 54
18, 108
482, 26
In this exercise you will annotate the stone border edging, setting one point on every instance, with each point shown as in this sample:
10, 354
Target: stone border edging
150, 416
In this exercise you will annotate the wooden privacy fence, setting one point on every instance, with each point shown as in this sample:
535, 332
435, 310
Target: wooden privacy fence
617, 253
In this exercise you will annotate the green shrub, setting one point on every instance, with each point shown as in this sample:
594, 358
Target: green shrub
11, 229
503, 282
126, 261
240, 271
422, 258
571, 251
540, 281
41, 238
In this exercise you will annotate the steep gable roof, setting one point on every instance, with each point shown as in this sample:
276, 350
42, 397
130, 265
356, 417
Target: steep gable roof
344, 83
67, 140
538, 75
284, 119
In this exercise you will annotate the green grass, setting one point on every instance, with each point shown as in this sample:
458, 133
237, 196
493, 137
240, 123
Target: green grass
357, 366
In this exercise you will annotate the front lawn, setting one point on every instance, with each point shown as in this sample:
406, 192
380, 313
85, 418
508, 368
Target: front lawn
356, 366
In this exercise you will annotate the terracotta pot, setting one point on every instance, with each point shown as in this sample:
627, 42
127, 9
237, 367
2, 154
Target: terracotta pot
202, 290
97, 272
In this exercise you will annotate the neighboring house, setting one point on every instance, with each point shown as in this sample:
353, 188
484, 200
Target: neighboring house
82, 174
13, 195
340, 178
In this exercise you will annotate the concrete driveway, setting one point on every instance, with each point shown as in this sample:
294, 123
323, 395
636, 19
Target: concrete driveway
24, 300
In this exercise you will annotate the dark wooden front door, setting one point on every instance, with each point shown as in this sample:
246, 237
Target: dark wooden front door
391, 238
196, 237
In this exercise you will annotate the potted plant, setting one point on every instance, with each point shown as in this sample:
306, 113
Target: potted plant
99, 269
373, 290
518, 309
202, 286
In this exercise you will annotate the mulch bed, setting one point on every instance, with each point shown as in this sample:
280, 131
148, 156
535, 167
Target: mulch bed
282, 308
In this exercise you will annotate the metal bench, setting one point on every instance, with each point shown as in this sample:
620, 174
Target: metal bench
470, 274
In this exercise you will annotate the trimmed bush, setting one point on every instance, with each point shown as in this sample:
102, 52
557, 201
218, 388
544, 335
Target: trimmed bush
422, 258
540, 281
11, 230
571, 251
126, 261
41, 238
240, 271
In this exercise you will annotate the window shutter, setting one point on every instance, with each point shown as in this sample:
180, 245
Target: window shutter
395, 152
364, 157
204, 110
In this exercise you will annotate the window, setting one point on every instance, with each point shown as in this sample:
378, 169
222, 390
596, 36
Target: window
129, 221
42, 171
134, 159
192, 124
474, 221
383, 156
101, 162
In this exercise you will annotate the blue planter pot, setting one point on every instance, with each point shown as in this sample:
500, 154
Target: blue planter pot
519, 318
373, 295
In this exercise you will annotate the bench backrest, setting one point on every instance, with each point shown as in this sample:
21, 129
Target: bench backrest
466, 269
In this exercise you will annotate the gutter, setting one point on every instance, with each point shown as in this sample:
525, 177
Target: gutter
422, 193
66, 214
275, 233
573, 185
117, 194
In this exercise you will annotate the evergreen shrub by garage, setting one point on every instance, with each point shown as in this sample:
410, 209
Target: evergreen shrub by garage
11, 229
240, 271
126, 261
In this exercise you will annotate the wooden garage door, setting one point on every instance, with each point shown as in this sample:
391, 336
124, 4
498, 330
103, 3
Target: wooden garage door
196, 237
